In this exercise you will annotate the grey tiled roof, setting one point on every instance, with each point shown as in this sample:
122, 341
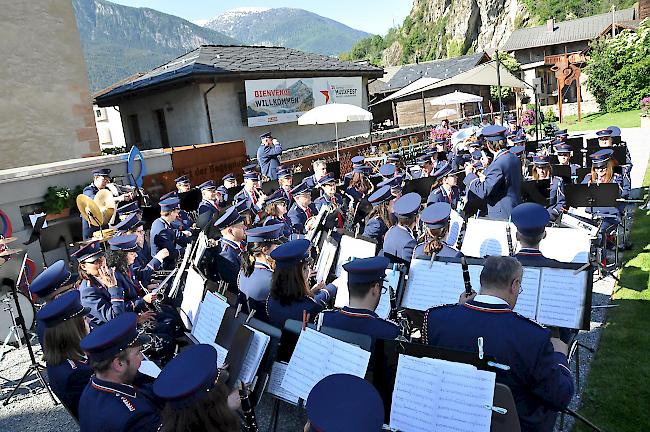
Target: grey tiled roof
245, 62
442, 69
580, 29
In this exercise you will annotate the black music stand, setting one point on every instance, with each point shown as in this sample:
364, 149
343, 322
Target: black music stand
563, 171
619, 155
335, 168
537, 191
190, 200
269, 186
584, 195
421, 185
231, 194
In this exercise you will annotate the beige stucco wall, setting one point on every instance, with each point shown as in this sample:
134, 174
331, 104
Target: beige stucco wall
46, 111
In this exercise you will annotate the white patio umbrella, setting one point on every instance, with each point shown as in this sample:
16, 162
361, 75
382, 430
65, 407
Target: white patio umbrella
444, 113
334, 113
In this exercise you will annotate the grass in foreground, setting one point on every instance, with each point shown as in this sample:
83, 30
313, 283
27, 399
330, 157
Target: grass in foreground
617, 395
596, 121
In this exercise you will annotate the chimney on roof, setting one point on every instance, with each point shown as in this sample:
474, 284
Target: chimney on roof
550, 25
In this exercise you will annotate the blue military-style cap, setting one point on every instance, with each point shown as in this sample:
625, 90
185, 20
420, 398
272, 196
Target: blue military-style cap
493, 132
604, 133
476, 155
601, 157
436, 215
423, 160
229, 176
394, 158
182, 180
126, 243
64, 307
512, 120
254, 176
291, 253
89, 252
242, 206
129, 208
266, 135
249, 168
267, 233
113, 337
131, 222
207, 185
229, 218
517, 150
474, 144
327, 178
358, 160
518, 140
362, 169
541, 160
50, 279
444, 170
357, 404
407, 205
396, 183
530, 218
102, 172
562, 147
276, 196
170, 204
284, 173
302, 188
172, 194
387, 170
561, 133
382, 194
366, 270
188, 377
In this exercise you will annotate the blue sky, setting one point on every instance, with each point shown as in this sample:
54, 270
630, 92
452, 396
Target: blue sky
372, 16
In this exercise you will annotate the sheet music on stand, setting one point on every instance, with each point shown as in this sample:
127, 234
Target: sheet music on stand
209, 318
383, 308
432, 394
254, 355
317, 356
201, 246
351, 247
278, 370
569, 245
456, 223
487, 237
326, 259
192, 296
164, 282
180, 271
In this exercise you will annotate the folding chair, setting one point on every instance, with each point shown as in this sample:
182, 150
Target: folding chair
508, 422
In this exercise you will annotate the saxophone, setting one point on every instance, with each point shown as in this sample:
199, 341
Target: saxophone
348, 225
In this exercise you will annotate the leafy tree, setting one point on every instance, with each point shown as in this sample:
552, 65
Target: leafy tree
512, 65
619, 69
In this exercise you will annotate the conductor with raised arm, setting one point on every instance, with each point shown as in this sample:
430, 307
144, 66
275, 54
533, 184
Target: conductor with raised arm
268, 155
539, 374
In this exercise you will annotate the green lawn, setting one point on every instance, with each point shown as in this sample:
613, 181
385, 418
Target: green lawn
617, 396
596, 121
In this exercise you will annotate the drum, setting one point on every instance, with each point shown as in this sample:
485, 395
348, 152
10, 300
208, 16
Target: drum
6, 321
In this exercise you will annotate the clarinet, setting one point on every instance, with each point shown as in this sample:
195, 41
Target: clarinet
466, 278
250, 422
511, 249
393, 304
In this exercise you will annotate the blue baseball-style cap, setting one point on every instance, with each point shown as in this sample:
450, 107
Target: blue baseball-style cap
302, 188
182, 180
407, 205
541, 160
229, 218
64, 307
493, 132
170, 204
207, 185
380, 195
50, 279
601, 157
102, 172
388, 170
113, 337
126, 243
530, 218
265, 233
366, 270
89, 252
188, 377
357, 404
128, 224
436, 215
291, 253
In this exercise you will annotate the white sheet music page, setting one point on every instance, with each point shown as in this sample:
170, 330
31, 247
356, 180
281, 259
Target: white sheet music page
456, 223
353, 247
475, 276
527, 300
209, 318
568, 245
222, 353
432, 284
325, 260
275, 383
343, 295
200, 248
316, 356
486, 237
254, 355
561, 297
414, 402
192, 296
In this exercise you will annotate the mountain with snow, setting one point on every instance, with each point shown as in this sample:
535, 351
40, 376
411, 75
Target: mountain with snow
288, 27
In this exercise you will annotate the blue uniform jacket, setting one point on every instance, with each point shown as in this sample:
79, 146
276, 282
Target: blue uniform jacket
133, 292
533, 256
298, 217
399, 242
269, 160
539, 377
501, 189
439, 194
229, 262
243, 195
557, 199
104, 303
286, 229
376, 229
278, 313
68, 380
623, 190
86, 229
361, 321
111, 407
257, 286
207, 206
446, 251
334, 220
164, 236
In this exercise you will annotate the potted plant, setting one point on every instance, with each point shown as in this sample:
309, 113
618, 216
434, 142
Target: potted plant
57, 202
645, 112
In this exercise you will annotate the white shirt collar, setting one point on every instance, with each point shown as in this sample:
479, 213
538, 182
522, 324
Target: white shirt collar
489, 299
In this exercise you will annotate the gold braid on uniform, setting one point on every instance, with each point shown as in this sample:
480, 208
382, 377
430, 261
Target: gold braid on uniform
425, 325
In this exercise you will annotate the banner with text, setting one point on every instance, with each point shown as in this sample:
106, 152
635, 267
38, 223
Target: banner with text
284, 100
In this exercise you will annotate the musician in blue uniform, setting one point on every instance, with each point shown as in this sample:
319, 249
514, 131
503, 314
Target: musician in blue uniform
183, 184
360, 185
111, 402
515, 129
344, 403
399, 241
435, 219
275, 212
48, 285
195, 397
285, 183
164, 236
302, 209
290, 296
268, 155
233, 235
501, 185
380, 218
531, 223
539, 375
329, 196
101, 178
605, 141
356, 162
228, 181
320, 170
426, 168
183, 221
209, 198
365, 286
68, 371
542, 170
447, 191
561, 135
254, 280
250, 192
564, 153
